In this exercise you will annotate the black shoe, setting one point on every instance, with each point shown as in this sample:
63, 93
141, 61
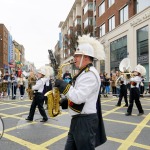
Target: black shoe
29, 119
140, 114
118, 105
128, 114
44, 120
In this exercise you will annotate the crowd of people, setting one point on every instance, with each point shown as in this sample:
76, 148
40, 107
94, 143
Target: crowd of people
9, 83
111, 84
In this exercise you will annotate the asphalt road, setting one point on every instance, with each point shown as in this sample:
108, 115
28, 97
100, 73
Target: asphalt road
123, 132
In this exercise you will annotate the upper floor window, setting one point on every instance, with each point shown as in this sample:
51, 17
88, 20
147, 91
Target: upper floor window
102, 30
110, 2
89, 6
88, 21
77, 21
124, 14
141, 5
101, 8
111, 23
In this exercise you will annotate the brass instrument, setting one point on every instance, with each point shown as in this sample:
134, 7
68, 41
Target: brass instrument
54, 96
31, 81
124, 67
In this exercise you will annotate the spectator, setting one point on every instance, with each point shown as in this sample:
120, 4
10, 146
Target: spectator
113, 85
67, 77
21, 85
102, 87
6, 77
13, 81
107, 85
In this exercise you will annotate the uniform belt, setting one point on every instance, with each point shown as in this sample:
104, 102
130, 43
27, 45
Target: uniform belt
35, 92
83, 115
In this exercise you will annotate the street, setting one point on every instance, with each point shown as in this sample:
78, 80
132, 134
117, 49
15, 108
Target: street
123, 132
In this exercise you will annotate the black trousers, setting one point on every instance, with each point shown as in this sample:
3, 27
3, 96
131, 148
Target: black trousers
135, 96
13, 90
82, 132
121, 95
114, 90
21, 88
38, 100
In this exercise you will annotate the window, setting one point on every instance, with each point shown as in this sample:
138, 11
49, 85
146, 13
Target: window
101, 8
118, 51
111, 23
102, 30
141, 5
142, 41
124, 14
89, 6
88, 21
110, 2
78, 21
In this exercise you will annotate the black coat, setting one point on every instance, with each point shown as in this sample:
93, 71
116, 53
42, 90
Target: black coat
100, 133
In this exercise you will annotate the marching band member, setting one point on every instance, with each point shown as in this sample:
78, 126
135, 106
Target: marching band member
31, 82
38, 98
135, 91
48, 83
123, 93
83, 97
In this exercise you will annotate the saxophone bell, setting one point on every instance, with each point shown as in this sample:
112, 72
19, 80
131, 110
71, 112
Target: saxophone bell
54, 95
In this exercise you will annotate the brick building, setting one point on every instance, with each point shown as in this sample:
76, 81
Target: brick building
122, 26
3, 48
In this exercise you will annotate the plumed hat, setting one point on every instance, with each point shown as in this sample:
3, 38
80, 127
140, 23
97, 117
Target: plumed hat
42, 71
139, 68
49, 71
91, 47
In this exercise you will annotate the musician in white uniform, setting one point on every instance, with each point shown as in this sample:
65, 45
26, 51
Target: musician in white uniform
83, 97
135, 91
38, 98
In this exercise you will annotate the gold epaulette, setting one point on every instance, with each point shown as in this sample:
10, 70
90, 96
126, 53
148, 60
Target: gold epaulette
87, 69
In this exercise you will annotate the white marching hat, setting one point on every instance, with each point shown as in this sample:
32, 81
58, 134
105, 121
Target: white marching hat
139, 68
47, 70
89, 46
42, 70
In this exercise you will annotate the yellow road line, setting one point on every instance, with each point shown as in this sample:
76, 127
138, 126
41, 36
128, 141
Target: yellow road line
19, 126
57, 126
131, 138
55, 139
105, 101
9, 108
146, 147
111, 111
27, 144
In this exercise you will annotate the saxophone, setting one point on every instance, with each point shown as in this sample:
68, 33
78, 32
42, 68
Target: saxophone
53, 96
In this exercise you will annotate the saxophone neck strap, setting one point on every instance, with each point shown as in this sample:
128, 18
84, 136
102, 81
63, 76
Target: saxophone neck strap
86, 69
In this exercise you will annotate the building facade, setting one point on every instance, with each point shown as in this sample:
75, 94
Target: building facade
3, 48
121, 26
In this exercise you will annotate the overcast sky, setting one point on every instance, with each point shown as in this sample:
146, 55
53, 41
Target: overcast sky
34, 24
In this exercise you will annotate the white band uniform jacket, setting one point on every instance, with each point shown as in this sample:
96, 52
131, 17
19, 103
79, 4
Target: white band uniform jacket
39, 86
136, 79
85, 90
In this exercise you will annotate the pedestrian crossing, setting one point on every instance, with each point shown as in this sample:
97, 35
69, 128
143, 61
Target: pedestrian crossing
123, 132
